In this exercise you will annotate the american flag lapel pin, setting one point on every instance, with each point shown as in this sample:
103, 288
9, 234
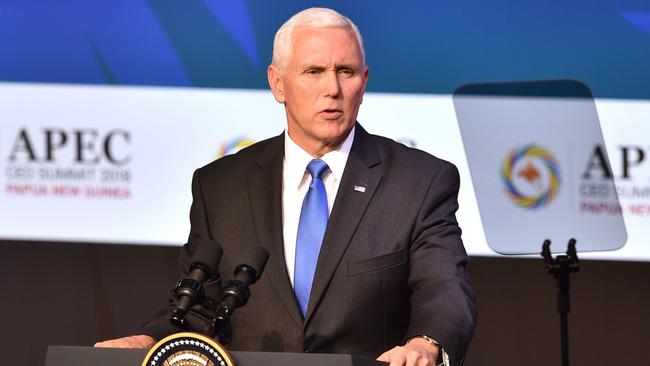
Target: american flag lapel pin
359, 188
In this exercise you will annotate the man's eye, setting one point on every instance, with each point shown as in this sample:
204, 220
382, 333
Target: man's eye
312, 72
346, 72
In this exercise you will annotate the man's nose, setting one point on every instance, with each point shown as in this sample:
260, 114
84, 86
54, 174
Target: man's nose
332, 84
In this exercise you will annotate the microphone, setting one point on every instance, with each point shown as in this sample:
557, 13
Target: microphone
189, 290
237, 291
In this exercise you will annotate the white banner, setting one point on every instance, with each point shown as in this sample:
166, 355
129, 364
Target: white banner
114, 164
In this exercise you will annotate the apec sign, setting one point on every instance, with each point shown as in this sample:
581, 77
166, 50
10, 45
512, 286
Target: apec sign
87, 145
114, 164
68, 162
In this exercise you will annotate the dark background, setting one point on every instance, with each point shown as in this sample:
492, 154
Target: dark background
77, 294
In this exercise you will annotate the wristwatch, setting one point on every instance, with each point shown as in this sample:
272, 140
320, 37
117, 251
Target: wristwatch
443, 358
429, 340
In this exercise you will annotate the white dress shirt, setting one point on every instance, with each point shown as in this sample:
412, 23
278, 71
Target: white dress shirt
295, 183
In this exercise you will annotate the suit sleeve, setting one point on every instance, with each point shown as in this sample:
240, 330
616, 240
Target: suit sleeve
160, 326
442, 300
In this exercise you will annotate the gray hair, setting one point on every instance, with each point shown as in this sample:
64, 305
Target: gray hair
312, 17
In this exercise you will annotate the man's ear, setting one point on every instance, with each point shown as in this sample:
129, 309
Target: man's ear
275, 82
365, 75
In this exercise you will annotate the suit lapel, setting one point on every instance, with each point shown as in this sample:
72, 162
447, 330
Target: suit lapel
361, 177
265, 187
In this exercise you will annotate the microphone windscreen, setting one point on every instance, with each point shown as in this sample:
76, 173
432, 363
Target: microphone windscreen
206, 251
256, 259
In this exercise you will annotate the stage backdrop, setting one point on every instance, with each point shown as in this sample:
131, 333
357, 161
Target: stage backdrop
106, 109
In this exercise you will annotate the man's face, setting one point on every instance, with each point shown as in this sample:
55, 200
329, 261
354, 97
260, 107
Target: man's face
321, 85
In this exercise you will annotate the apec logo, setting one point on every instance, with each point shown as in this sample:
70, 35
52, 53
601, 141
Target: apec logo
531, 176
82, 145
68, 163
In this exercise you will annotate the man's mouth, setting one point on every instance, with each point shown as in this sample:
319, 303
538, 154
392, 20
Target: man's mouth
331, 113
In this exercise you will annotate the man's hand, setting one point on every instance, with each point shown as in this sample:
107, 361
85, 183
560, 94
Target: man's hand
417, 352
136, 341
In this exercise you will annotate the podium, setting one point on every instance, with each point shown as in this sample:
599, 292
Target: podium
84, 356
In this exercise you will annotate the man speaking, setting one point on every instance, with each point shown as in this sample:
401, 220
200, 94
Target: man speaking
365, 251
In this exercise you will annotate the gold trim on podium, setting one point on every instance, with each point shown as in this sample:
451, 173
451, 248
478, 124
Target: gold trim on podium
187, 349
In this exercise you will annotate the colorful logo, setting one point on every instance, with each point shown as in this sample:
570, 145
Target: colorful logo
531, 176
233, 145
187, 349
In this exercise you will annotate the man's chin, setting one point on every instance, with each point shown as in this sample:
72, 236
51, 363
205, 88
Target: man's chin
334, 138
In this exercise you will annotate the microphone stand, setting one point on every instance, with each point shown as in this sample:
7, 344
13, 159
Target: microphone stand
234, 295
207, 321
215, 322
214, 319
561, 267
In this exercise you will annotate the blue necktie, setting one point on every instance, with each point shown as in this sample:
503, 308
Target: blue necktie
311, 229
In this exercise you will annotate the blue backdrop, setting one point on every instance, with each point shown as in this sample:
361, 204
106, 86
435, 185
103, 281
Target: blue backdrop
412, 46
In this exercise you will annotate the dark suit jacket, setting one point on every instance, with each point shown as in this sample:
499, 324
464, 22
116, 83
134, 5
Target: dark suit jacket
392, 263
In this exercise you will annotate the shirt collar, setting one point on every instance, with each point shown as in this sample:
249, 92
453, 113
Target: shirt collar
296, 160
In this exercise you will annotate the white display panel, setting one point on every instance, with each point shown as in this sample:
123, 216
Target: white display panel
536, 163
122, 172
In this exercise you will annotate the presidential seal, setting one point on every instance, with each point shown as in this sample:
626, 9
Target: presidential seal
187, 349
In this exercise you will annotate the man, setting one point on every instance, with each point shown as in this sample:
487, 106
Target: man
384, 275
